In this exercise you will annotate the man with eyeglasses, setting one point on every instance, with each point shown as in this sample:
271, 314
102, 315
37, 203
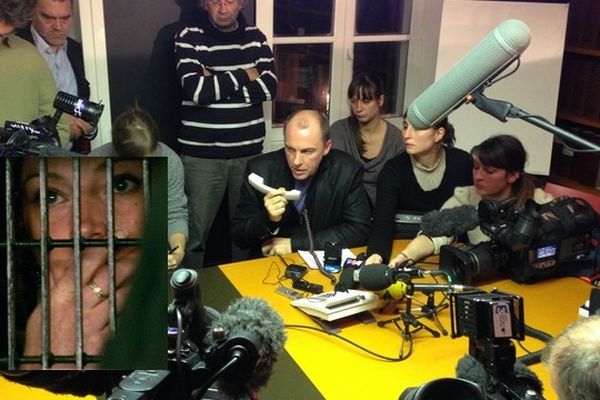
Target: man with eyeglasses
26, 84
50, 25
227, 71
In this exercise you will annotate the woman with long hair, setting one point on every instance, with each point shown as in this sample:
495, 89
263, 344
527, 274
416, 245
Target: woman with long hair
498, 174
414, 182
365, 135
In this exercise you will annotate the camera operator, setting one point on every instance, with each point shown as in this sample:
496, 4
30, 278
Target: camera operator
573, 360
26, 84
498, 174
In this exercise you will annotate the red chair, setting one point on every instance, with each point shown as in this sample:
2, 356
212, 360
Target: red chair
558, 190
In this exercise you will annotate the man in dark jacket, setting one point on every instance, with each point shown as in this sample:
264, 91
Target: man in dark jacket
332, 194
50, 24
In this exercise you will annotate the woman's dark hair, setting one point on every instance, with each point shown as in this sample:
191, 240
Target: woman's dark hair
134, 133
449, 137
364, 86
507, 152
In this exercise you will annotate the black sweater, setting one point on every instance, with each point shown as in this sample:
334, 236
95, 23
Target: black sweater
399, 191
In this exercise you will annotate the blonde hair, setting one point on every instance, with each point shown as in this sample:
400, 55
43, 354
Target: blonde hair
134, 133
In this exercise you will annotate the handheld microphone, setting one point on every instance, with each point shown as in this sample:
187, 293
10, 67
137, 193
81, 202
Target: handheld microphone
78, 107
484, 62
251, 334
377, 277
450, 221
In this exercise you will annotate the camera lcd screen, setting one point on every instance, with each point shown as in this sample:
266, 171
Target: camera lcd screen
546, 251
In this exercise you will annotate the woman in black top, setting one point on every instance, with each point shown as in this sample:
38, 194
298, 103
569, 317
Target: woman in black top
416, 181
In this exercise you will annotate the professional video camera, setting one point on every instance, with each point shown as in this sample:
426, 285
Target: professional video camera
527, 244
41, 136
239, 352
490, 321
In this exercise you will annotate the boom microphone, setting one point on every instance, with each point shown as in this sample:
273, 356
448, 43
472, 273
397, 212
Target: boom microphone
450, 221
251, 332
484, 62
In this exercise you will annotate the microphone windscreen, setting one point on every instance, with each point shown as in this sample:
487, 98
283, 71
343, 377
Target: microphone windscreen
494, 53
396, 291
524, 373
450, 221
376, 277
346, 280
472, 370
251, 316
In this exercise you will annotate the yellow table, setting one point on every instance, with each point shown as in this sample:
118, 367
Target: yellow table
340, 371
316, 365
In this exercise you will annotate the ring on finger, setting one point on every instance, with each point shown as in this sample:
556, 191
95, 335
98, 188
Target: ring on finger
98, 291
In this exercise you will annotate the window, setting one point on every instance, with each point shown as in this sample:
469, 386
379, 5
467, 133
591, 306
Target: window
318, 44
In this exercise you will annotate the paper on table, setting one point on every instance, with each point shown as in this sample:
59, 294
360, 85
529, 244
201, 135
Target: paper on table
310, 261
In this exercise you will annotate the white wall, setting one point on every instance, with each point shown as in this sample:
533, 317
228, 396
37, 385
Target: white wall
533, 88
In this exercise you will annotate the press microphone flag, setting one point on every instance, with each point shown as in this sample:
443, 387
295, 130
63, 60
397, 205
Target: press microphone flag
500, 48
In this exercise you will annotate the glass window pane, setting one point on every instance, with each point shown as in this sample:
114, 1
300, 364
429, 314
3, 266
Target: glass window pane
249, 12
383, 16
303, 74
303, 18
391, 59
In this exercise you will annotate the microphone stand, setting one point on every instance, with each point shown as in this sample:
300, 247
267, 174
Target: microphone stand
501, 110
409, 321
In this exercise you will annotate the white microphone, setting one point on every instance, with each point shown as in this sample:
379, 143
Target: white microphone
484, 62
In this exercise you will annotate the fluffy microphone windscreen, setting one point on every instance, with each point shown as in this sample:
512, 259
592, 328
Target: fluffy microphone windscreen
471, 369
256, 317
450, 221
395, 291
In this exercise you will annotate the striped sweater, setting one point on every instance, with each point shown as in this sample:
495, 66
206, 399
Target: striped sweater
222, 113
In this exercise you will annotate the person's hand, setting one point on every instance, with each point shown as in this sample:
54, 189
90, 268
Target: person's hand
275, 203
78, 127
175, 257
206, 72
374, 259
95, 315
399, 259
253, 73
275, 246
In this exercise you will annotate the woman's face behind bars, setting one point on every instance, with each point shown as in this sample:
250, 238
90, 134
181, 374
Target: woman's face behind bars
128, 217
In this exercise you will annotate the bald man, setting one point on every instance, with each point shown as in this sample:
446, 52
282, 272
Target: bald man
331, 193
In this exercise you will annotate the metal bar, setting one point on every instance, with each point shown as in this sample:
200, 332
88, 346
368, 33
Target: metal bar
44, 264
10, 270
70, 243
110, 222
76, 220
146, 183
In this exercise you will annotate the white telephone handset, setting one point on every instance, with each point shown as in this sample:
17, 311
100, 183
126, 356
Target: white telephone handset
258, 183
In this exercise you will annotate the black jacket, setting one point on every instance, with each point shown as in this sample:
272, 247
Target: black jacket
75, 55
338, 207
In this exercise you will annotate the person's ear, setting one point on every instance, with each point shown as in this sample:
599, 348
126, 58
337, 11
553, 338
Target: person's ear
512, 176
327, 147
380, 100
439, 135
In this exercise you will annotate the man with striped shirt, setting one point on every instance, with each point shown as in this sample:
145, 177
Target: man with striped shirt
226, 70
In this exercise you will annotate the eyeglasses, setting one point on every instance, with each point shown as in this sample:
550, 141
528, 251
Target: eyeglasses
215, 3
